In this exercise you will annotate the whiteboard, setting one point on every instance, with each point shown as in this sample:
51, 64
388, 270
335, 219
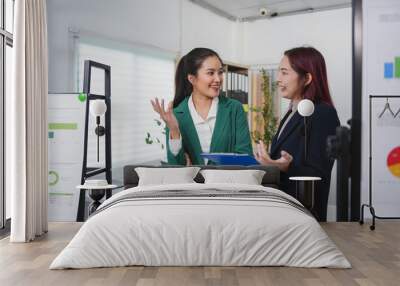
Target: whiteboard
66, 118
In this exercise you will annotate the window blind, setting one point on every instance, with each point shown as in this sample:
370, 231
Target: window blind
137, 75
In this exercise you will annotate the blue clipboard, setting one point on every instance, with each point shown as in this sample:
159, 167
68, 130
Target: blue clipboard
230, 159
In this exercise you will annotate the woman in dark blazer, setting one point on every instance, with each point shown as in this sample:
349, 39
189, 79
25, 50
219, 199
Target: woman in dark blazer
200, 119
302, 75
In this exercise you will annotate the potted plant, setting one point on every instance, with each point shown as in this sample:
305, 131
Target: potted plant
265, 119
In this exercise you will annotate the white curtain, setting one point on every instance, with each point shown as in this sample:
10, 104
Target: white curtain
27, 119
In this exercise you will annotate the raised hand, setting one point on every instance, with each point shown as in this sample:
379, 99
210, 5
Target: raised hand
167, 115
261, 155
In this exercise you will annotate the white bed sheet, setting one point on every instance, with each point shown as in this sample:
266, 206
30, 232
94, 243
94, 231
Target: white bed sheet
200, 231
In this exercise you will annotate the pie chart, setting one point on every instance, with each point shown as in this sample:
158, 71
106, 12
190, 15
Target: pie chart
393, 162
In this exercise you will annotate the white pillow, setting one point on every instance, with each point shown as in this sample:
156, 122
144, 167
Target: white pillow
249, 177
165, 176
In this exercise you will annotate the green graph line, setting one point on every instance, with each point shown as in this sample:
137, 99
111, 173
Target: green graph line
63, 126
55, 176
60, 194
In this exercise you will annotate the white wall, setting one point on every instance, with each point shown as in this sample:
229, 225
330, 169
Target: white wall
202, 28
264, 42
174, 26
177, 26
152, 22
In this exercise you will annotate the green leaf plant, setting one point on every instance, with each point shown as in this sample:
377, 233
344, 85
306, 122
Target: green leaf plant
149, 139
265, 119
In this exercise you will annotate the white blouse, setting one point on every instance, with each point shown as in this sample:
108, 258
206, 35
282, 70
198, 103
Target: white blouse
204, 127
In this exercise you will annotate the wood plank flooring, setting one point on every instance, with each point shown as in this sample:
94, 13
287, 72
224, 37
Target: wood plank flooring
374, 255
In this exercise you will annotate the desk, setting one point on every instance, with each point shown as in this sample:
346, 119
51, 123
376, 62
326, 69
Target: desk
305, 188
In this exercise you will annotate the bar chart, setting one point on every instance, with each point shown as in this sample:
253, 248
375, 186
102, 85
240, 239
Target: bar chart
392, 69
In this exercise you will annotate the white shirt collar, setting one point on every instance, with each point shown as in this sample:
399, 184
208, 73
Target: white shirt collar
293, 106
212, 113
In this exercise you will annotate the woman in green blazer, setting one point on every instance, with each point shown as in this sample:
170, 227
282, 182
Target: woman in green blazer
199, 119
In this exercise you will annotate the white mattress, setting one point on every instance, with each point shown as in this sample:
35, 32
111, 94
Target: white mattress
200, 231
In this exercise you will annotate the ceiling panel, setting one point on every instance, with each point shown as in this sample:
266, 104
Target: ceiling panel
250, 9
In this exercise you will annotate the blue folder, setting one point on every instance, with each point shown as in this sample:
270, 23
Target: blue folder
230, 159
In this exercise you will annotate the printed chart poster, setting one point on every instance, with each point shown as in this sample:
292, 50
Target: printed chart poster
65, 134
381, 77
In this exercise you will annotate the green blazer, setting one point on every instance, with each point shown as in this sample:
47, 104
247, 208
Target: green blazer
231, 132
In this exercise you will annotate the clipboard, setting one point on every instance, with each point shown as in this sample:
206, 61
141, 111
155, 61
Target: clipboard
230, 159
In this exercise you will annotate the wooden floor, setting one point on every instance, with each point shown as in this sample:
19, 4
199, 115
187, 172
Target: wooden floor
374, 255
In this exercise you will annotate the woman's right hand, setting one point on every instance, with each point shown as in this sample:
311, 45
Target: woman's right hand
188, 161
167, 116
263, 158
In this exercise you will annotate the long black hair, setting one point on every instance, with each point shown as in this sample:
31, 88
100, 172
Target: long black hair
189, 64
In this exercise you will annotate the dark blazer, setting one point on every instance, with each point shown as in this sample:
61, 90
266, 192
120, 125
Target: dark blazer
231, 132
321, 124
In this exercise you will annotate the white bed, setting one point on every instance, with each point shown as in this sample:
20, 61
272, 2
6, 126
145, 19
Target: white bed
185, 230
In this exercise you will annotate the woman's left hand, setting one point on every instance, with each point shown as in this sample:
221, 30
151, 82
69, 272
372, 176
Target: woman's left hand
284, 161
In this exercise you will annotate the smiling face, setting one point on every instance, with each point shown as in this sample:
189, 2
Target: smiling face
209, 78
290, 85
